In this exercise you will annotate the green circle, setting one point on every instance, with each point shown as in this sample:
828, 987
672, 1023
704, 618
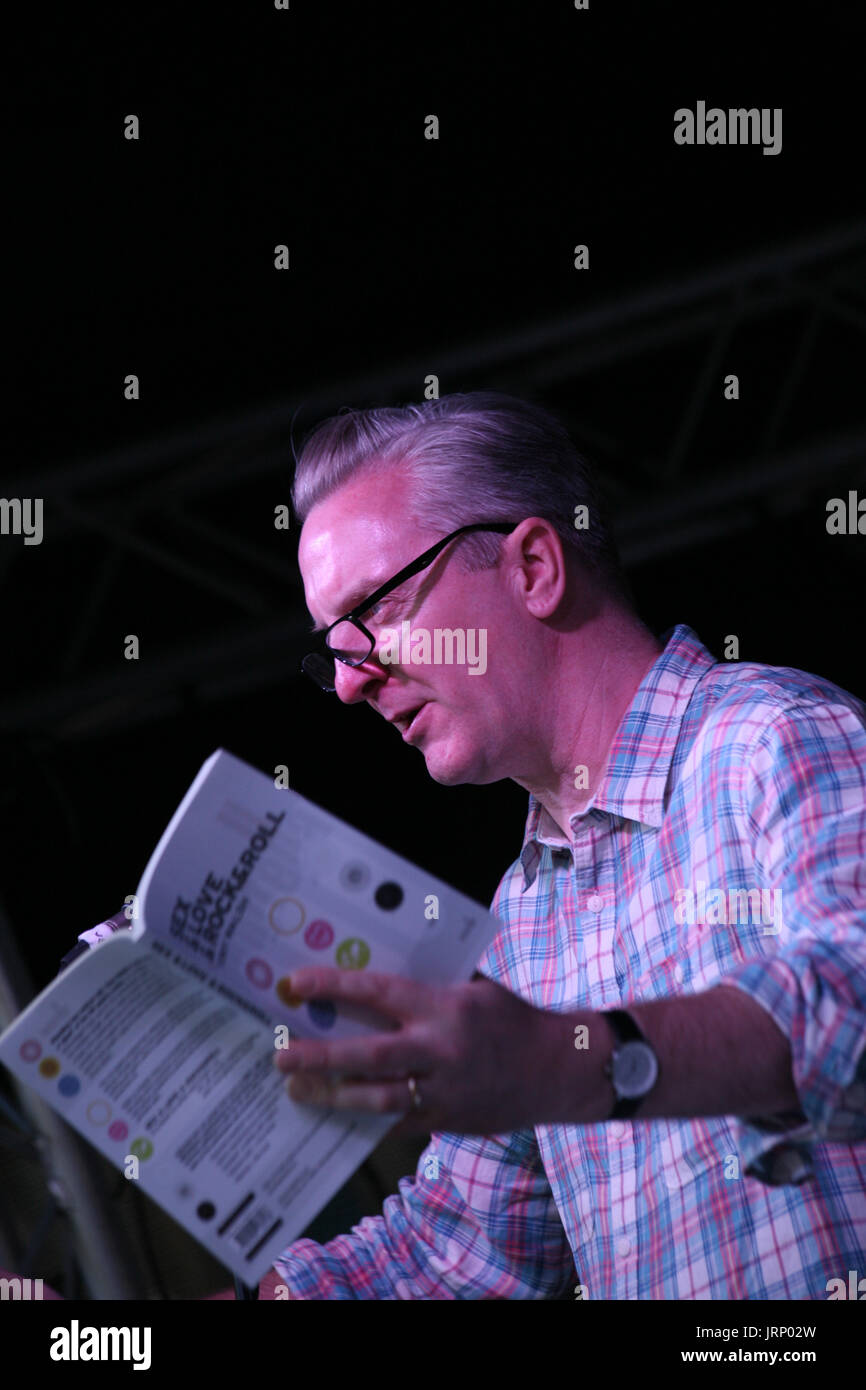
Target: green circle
353, 953
141, 1148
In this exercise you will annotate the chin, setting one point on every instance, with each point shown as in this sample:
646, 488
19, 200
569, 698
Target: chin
448, 777
455, 772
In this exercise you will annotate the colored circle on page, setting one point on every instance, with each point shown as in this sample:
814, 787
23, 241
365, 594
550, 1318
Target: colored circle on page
286, 994
99, 1112
49, 1067
69, 1085
286, 916
388, 896
353, 953
322, 1012
141, 1147
319, 935
205, 1211
118, 1129
30, 1050
259, 973
354, 875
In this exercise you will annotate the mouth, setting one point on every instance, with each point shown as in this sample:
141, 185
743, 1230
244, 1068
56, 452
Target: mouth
406, 722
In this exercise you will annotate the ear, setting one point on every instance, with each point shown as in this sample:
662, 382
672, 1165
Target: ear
539, 557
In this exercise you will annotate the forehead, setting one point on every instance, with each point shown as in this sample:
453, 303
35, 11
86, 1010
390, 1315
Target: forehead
357, 538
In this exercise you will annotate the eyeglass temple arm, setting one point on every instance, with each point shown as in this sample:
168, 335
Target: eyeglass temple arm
422, 561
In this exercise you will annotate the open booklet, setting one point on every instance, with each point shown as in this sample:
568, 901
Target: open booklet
158, 1044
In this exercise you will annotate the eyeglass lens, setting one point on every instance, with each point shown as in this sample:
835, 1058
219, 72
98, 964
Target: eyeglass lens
348, 642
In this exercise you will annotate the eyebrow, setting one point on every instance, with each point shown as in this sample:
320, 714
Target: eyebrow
355, 596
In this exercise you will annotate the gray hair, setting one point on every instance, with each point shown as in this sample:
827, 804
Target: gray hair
475, 456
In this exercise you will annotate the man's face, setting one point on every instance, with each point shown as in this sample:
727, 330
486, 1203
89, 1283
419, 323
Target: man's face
355, 540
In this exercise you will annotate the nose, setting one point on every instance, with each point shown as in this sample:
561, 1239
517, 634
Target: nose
352, 683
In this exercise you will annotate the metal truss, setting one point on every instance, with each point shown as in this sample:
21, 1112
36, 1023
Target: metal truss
169, 505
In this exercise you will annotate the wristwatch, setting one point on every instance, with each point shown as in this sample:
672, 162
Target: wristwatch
634, 1066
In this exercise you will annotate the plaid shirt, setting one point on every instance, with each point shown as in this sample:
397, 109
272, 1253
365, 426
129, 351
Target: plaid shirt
721, 777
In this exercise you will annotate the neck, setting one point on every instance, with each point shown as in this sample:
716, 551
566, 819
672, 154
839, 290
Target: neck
599, 670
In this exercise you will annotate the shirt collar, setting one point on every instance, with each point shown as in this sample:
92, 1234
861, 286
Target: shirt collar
633, 783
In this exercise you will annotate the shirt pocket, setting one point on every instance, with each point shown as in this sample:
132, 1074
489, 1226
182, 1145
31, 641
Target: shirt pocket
701, 956
694, 1152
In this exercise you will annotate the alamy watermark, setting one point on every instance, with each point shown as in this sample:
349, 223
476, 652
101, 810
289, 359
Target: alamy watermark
449, 646
22, 516
855, 1288
737, 126
26, 1290
847, 520
77, 1343
712, 907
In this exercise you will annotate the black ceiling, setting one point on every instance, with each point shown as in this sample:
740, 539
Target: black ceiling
407, 257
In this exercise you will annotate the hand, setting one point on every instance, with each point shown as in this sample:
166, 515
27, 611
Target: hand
484, 1060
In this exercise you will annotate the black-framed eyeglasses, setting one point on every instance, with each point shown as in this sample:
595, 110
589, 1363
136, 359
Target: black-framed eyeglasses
349, 641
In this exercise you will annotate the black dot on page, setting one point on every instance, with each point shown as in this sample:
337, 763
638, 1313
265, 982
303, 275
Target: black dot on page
205, 1211
388, 896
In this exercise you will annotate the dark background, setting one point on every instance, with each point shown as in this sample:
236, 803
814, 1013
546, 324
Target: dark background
408, 257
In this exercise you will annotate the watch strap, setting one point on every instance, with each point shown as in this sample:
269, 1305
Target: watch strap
625, 1030
624, 1026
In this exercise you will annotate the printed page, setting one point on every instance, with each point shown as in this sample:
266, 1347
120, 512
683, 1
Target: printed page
251, 881
175, 1084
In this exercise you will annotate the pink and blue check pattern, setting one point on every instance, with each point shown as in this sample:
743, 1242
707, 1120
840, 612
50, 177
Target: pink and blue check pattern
737, 777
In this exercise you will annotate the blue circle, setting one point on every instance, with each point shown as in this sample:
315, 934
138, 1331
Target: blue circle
322, 1012
69, 1085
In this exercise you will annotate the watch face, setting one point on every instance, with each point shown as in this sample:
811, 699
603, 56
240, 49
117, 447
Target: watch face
634, 1070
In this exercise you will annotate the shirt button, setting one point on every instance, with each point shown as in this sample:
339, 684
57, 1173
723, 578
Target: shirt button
678, 974
595, 903
623, 1247
616, 1128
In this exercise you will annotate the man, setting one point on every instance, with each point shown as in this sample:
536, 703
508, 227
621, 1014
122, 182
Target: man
659, 1074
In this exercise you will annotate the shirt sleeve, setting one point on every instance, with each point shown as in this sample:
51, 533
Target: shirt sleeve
805, 804
477, 1221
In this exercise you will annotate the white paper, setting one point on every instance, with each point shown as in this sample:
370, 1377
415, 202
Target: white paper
158, 1045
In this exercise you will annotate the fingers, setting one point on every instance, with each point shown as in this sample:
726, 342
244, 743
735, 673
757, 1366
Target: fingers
380, 1055
373, 1056
390, 1098
392, 995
